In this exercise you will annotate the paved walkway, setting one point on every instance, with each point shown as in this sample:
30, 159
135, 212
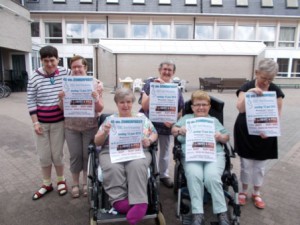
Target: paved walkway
20, 172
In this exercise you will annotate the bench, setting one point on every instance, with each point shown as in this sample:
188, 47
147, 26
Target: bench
288, 85
209, 83
231, 83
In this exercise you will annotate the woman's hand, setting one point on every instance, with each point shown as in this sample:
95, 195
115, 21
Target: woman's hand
182, 131
61, 95
222, 138
38, 129
146, 142
256, 90
168, 124
263, 136
96, 96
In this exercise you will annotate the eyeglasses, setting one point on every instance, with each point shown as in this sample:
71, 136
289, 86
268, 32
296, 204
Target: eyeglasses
266, 79
200, 105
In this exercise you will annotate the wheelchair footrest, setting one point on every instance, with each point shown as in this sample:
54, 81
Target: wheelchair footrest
111, 218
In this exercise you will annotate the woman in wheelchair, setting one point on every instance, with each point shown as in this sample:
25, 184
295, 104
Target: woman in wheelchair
200, 173
126, 182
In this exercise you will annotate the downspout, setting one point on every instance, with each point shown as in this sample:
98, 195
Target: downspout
194, 28
96, 61
201, 6
107, 33
116, 69
253, 68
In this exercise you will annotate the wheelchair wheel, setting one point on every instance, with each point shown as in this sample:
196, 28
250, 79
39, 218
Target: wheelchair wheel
91, 218
160, 220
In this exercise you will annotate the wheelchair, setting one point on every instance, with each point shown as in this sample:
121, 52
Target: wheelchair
101, 211
229, 179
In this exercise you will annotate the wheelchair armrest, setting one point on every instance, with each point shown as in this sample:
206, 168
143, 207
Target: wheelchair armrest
91, 147
229, 150
177, 150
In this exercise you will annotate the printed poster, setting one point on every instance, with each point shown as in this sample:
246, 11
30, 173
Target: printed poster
125, 139
262, 114
78, 101
163, 106
200, 139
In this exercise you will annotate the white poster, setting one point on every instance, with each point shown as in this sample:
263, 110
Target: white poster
78, 101
200, 139
262, 114
125, 139
163, 106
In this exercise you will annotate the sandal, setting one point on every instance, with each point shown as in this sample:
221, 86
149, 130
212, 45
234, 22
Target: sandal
62, 188
75, 191
42, 191
84, 190
242, 198
258, 202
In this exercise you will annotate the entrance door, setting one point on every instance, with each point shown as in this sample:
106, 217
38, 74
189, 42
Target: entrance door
19, 74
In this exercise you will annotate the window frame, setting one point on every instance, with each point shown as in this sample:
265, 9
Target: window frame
50, 39
75, 40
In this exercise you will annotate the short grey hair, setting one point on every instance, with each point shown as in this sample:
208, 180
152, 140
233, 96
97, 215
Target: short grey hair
121, 93
269, 66
167, 62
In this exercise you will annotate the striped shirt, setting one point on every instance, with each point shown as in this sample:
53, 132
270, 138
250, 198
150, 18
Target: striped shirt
42, 95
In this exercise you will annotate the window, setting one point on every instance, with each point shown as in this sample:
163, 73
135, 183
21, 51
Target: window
53, 33
191, 2
74, 33
59, 1
183, 31
95, 32
246, 33
33, 2
138, 1
216, 2
267, 35
86, 1
283, 66
287, 37
118, 30
161, 31
267, 3
295, 68
292, 4
140, 30
225, 32
112, 1
165, 2
204, 32
35, 29
242, 3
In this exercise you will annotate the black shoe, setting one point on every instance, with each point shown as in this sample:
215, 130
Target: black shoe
167, 182
198, 219
223, 219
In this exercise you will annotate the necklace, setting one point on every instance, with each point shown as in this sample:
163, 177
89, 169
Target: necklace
52, 80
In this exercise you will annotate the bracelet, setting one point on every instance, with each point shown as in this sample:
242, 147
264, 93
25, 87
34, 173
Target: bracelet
35, 123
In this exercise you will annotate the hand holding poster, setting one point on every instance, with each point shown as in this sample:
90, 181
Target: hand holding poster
200, 139
125, 139
163, 106
262, 114
78, 101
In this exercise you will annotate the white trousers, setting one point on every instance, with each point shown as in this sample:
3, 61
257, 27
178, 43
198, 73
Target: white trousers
164, 155
252, 171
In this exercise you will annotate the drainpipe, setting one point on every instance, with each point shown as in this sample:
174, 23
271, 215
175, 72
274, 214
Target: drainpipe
116, 70
201, 6
96, 61
107, 34
194, 27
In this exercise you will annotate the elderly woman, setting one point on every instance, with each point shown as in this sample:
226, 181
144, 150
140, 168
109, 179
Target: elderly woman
255, 150
79, 131
166, 73
200, 173
126, 182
